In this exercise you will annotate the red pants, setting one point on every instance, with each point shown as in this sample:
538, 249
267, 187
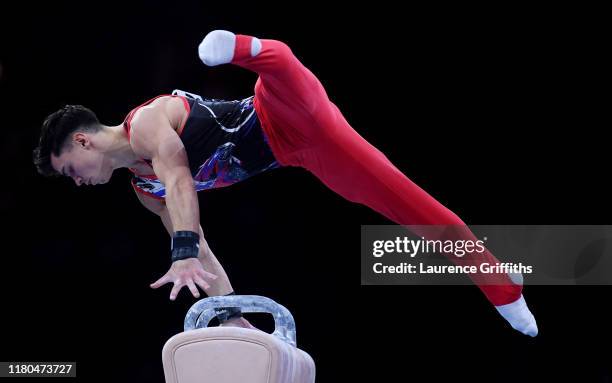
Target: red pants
306, 129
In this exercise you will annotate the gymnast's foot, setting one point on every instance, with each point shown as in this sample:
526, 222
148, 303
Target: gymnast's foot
238, 322
218, 48
520, 318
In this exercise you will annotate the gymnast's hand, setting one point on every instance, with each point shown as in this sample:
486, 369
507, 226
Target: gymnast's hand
186, 272
238, 322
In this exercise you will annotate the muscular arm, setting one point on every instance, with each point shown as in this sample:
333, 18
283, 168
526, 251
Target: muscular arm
154, 138
220, 286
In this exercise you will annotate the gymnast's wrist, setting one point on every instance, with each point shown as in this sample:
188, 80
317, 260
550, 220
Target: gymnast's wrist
185, 244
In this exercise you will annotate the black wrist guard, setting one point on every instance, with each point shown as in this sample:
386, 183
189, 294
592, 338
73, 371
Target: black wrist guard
185, 244
227, 313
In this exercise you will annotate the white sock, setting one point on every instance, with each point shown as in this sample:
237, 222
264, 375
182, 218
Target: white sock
518, 315
218, 48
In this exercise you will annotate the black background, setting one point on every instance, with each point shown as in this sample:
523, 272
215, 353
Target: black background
496, 112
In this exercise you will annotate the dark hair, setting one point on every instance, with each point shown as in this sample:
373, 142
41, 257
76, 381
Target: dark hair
56, 128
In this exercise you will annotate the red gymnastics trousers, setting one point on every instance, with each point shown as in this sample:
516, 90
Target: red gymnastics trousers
305, 129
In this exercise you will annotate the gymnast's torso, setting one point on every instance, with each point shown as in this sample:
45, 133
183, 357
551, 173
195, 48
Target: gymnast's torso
223, 140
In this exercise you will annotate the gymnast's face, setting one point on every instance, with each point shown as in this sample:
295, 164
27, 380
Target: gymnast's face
82, 161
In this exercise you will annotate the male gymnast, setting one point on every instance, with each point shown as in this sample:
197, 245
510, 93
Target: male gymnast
179, 144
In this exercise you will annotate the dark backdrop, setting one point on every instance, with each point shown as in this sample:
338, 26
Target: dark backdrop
495, 112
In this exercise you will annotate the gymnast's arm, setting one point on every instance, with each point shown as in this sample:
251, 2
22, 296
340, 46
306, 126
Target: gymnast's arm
221, 285
154, 137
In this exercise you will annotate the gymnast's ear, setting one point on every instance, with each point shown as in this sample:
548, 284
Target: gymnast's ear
82, 140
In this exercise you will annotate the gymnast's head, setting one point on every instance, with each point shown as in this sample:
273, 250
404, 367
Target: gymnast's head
73, 143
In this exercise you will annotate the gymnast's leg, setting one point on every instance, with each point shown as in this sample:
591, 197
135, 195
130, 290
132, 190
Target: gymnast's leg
306, 129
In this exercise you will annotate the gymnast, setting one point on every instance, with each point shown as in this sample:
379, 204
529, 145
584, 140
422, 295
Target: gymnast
176, 145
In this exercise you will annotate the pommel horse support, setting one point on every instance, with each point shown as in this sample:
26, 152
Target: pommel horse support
233, 354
